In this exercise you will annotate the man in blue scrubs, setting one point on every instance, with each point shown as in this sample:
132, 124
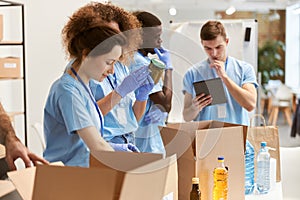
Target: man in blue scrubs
238, 78
147, 136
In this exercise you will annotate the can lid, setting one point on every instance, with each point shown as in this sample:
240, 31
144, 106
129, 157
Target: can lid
195, 180
158, 63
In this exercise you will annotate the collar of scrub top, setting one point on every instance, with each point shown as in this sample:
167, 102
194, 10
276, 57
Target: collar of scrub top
92, 98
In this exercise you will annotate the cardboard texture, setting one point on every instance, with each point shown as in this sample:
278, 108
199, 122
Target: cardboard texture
197, 145
6, 187
10, 67
155, 179
50, 182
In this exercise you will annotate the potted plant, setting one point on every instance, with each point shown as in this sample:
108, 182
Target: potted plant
269, 60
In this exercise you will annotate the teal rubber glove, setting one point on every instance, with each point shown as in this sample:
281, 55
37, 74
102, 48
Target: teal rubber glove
134, 80
164, 55
124, 147
155, 115
142, 93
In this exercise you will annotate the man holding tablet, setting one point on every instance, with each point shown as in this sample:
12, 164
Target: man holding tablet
238, 79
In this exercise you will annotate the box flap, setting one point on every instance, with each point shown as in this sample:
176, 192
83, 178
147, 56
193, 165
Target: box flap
121, 160
6, 187
74, 183
227, 142
152, 181
23, 180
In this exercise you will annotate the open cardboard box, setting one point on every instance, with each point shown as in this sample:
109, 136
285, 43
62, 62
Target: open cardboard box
64, 182
197, 146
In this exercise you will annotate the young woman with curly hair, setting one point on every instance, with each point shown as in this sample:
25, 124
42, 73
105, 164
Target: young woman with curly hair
73, 122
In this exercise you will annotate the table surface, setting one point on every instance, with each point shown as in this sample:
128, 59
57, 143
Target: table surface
274, 194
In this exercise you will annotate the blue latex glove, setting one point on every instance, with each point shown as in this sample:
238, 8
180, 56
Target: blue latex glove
134, 80
124, 147
142, 93
164, 55
155, 115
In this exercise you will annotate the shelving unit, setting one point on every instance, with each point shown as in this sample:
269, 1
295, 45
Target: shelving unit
20, 45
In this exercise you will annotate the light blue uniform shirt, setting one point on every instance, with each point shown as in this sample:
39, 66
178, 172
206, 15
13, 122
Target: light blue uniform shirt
147, 137
239, 72
121, 119
68, 108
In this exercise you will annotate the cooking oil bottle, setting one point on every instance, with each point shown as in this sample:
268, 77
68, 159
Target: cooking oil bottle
220, 174
195, 193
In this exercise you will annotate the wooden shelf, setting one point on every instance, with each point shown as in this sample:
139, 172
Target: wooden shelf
10, 78
3, 43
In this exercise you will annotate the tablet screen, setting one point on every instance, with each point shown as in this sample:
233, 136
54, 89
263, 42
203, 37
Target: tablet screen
214, 87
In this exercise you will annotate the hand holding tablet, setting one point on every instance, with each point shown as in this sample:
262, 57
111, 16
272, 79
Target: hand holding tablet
213, 87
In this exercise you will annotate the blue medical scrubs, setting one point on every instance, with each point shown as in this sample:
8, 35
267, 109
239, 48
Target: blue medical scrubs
239, 72
120, 122
147, 136
68, 108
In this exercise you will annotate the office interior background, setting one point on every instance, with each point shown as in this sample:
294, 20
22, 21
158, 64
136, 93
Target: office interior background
278, 20
46, 60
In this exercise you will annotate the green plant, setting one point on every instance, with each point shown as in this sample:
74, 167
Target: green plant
269, 57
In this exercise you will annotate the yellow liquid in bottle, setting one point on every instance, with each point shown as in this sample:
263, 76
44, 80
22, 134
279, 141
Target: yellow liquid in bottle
220, 184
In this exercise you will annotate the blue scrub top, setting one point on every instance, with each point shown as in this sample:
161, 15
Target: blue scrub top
121, 119
147, 136
239, 72
68, 108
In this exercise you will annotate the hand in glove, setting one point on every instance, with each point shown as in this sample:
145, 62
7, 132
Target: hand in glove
134, 80
124, 147
155, 116
142, 93
164, 55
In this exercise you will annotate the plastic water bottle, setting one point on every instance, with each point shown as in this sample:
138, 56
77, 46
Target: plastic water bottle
249, 168
263, 169
220, 181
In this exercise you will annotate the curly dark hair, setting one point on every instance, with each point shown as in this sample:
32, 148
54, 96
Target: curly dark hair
94, 13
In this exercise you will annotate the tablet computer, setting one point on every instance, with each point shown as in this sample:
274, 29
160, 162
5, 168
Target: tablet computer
213, 87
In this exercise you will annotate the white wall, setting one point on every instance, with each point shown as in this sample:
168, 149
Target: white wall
45, 58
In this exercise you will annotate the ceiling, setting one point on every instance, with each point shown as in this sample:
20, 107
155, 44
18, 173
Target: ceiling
217, 5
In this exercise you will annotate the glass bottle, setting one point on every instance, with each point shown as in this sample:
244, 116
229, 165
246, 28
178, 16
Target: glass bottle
195, 193
220, 174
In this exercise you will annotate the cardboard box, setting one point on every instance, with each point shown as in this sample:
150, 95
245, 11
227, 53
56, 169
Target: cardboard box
158, 179
76, 183
10, 67
197, 145
6, 187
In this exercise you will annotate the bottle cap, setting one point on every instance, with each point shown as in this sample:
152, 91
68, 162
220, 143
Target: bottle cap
220, 158
263, 144
195, 180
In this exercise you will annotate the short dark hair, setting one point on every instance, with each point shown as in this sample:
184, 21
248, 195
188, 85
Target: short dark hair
211, 30
147, 19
